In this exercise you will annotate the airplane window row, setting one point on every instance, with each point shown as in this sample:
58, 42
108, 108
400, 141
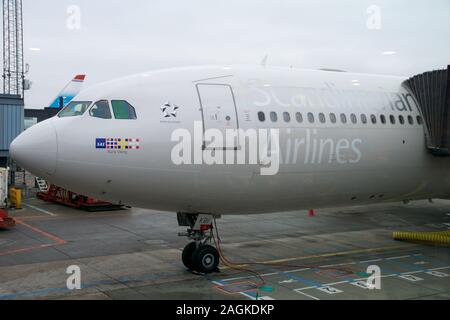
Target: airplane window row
343, 118
122, 110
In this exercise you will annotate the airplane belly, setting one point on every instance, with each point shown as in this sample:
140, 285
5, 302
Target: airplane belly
321, 163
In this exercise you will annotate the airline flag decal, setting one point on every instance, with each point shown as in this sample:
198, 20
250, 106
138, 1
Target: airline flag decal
123, 144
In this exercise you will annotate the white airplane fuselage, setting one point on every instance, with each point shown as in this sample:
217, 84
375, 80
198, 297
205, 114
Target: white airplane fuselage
322, 163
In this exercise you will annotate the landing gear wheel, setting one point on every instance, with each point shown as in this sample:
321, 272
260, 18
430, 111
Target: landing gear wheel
206, 259
188, 254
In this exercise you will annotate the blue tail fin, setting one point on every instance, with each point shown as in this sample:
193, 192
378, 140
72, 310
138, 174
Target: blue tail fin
69, 92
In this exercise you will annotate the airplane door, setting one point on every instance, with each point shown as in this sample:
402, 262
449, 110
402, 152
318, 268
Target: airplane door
218, 106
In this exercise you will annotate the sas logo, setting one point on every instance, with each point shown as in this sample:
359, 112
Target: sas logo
117, 144
170, 110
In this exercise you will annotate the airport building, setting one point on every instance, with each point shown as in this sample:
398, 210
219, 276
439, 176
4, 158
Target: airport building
11, 123
34, 116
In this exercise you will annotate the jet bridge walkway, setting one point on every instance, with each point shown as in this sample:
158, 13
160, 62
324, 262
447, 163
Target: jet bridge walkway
432, 92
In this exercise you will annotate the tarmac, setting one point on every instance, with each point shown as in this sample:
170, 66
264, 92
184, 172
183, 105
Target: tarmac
136, 254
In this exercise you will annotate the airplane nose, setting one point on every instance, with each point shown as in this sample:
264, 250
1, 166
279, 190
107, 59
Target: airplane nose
36, 149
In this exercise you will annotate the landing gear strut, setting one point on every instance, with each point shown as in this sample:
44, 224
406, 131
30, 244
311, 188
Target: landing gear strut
199, 255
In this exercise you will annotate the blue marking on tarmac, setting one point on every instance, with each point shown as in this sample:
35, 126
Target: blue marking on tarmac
40, 292
434, 260
291, 276
252, 294
121, 280
383, 268
212, 279
405, 265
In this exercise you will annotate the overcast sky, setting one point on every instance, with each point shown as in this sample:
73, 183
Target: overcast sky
119, 37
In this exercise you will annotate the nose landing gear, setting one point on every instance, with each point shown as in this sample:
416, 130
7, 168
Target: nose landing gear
199, 255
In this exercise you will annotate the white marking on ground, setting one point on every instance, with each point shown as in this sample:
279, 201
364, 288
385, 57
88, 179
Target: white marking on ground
330, 290
397, 258
361, 284
309, 296
245, 294
370, 261
437, 274
288, 281
40, 209
339, 265
321, 267
411, 278
266, 274
365, 279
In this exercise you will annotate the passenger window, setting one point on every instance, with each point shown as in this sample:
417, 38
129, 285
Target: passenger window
383, 119
262, 116
354, 118
419, 120
333, 118
299, 117
392, 119
311, 118
74, 109
373, 118
123, 110
343, 118
363, 118
101, 110
322, 118
411, 120
401, 119
287, 117
273, 116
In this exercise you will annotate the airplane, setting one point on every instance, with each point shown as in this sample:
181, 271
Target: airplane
68, 92
63, 99
170, 140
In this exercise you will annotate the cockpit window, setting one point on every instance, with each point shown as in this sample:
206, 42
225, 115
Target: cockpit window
74, 109
101, 110
123, 110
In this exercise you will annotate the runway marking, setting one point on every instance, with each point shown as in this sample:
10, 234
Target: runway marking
403, 265
40, 210
249, 295
397, 258
43, 233
288, 281
28, 218
327, 255
371, 261
383, 276
411, 278
320, 267
309, 296
266, 274
339, 265
437, 274
330, 290
360, 284
56, 241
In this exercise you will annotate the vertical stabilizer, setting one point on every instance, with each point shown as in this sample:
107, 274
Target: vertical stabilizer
69, 92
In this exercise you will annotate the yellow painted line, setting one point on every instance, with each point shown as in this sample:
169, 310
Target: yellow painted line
327, 255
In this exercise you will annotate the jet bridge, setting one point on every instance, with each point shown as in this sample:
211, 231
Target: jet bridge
432, 92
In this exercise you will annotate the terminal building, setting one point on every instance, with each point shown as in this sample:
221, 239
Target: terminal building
11, 123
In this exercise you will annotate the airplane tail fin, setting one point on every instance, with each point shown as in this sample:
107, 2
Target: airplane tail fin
69, 92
